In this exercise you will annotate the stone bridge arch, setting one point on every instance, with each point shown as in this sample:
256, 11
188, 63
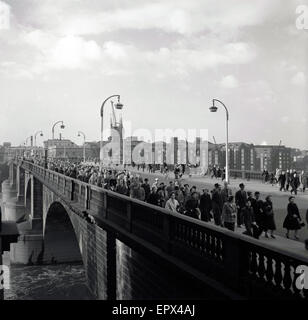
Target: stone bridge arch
61, 241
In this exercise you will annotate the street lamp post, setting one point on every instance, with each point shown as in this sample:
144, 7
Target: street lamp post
84, 144
53, 128
118, 106
213, 108
35, 135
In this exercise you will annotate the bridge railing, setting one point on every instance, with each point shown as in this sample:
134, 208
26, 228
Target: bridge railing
239, 262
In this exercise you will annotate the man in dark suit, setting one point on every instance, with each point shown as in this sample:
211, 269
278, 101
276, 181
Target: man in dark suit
258, 208
147, 188
217, 204
240, 201
205, 205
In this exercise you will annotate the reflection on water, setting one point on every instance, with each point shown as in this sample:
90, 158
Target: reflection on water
53, 282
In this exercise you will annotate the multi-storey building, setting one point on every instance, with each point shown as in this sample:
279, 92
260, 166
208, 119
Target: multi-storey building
242, 156
215, 154
62, 143
272, 157
2, 154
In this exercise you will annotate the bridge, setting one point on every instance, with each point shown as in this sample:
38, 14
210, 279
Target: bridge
133, 250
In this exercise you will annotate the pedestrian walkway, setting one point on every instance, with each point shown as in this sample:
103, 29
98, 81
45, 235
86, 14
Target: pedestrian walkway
280, 198
282, 244
251, 185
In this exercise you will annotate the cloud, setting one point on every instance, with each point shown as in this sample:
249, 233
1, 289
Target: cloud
116, 50
182, 17
71, 52
299, 79
67, 35
229, 82
74, 52
51, 51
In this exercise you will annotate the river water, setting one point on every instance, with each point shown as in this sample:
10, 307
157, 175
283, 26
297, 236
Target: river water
48, 282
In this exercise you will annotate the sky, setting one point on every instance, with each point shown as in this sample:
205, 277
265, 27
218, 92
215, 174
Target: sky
59, 60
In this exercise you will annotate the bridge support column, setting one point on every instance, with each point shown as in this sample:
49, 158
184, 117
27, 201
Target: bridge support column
36, 205
9, 185
12, 179
30, 246
12, 202
8, 192
27, 250
12, 209
20, 177
111, 267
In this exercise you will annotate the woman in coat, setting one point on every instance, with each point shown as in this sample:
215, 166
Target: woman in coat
248, 218
269, 221
205, 205
293, 218
229, 211
192, 206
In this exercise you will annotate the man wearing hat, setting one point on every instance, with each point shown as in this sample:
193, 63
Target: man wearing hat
205, 205
217, 204
186, 193
240, 201
258, 209
226, 192
147, 188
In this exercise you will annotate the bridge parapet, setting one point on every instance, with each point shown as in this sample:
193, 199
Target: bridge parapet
210, 253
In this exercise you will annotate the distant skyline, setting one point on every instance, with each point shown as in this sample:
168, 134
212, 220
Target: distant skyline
167, 59
209, 140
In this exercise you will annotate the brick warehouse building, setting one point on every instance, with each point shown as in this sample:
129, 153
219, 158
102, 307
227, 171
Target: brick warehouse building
242, 156
273, 157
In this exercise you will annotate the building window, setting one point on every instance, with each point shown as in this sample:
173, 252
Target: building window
243, 157
216, 157
251, 157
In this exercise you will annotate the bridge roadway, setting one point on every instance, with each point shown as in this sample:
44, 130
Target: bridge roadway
280, 199
168, 244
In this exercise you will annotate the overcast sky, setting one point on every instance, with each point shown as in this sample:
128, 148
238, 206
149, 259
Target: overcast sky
168, 59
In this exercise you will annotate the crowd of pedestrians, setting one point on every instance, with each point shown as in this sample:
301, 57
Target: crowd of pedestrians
289, 181
243, 209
